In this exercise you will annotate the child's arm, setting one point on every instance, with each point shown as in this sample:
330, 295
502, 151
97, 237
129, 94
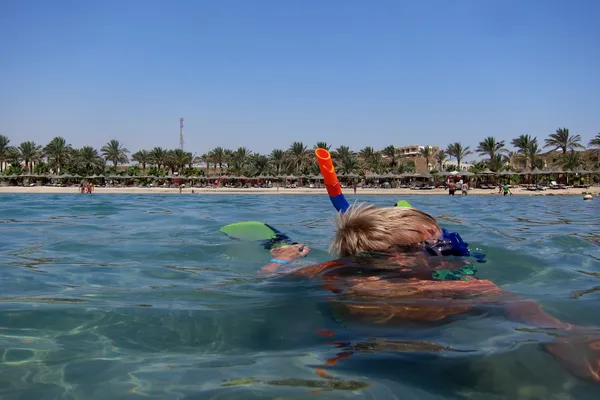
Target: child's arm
284, 255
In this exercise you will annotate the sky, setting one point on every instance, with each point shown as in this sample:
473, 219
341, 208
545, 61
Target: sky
265, 73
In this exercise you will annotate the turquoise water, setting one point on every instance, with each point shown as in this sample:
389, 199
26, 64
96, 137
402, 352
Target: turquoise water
141, 297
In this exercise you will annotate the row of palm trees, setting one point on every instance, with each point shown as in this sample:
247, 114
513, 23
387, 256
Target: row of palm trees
60, 157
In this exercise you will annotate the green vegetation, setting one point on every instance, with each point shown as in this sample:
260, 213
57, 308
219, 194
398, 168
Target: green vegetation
59, 157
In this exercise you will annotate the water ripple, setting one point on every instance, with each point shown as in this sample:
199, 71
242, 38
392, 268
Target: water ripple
133, 296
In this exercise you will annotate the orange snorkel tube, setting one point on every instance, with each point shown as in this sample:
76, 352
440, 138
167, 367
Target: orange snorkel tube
334, 189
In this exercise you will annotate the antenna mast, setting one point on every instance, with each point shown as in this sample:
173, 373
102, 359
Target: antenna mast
181, 133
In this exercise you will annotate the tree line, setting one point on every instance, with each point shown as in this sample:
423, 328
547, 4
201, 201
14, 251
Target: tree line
59, 157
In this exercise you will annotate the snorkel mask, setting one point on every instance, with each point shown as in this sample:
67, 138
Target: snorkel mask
450, 244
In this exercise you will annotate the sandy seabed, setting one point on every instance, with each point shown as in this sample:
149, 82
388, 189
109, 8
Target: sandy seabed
595, 190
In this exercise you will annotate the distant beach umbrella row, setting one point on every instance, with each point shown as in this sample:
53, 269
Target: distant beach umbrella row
388, 175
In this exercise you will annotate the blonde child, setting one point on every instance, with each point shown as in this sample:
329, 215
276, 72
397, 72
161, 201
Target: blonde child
386, 275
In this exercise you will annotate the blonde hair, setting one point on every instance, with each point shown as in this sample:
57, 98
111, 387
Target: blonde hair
366, 228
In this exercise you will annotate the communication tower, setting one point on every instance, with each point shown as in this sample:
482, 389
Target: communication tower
181, 133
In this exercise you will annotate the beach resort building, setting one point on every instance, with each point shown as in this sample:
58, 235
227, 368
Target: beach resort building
464, 166
413, 155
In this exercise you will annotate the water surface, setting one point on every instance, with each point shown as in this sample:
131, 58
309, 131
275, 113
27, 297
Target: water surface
141, 297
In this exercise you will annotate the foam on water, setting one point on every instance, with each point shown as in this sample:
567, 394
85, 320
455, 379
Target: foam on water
133, 296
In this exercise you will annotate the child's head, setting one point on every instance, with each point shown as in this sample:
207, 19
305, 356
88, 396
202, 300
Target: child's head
366, 228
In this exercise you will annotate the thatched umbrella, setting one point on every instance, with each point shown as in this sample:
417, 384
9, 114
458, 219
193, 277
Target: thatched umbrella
487, 171
535, 171
423, 175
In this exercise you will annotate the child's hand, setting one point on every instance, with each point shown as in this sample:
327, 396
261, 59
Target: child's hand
289, 253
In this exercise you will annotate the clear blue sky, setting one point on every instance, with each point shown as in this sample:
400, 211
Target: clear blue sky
264, 73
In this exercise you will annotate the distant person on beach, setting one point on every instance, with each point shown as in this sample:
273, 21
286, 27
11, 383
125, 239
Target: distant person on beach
354, 186
451, 188
506, 189
386, 276
464, 188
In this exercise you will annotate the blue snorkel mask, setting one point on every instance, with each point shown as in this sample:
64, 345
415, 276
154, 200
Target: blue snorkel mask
450, 244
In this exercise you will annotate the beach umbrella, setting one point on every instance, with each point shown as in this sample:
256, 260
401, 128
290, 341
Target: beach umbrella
535, 171
486, 171
407, 175
467, 173
423, 175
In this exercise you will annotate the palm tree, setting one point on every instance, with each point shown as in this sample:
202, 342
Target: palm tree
4, 150
523, 144
219, 157
563, 140
459, 152
88, 160
29, 152
178, 159
390, 152
239, 160
367, 156
115, 152
571, 160
322, 145
440, 157
348, 164
170, 162
205, 158
277, 159
260, 164
427, 152
57, 153
158, 156
143, 158
298, 157
498, 162
533, 152
341, 153
595, 142
490, 147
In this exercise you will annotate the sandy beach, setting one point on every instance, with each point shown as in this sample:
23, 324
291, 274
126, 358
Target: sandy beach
595, 190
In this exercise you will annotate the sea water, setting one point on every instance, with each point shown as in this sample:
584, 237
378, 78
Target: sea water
141, 297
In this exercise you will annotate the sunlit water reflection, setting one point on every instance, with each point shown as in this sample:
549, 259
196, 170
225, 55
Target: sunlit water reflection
141, 296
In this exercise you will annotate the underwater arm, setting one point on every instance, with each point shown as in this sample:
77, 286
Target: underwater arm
529, 312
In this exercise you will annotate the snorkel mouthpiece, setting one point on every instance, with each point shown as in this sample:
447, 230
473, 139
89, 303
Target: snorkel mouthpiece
334, 189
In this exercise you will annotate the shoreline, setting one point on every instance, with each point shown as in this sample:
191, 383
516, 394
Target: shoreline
595, 191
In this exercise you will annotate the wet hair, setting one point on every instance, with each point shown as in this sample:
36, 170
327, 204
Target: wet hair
366, 228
